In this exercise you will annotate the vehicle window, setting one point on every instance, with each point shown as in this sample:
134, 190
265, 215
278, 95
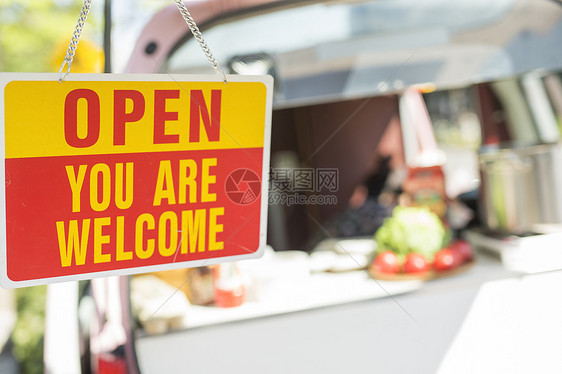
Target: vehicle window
315, 25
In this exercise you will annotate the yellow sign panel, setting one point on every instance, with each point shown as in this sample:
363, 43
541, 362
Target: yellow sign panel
130, 117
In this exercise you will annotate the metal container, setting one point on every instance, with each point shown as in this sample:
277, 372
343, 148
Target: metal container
521, 189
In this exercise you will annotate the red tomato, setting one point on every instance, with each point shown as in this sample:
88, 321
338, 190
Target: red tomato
415, 263
463, 249
457, 255
445, 259
387, 262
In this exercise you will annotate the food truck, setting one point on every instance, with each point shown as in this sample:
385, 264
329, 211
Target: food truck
376, 104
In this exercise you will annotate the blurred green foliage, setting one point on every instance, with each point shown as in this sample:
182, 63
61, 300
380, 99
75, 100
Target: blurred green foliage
30, 30
30, 329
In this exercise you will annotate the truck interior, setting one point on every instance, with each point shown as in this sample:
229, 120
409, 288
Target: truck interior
488, 73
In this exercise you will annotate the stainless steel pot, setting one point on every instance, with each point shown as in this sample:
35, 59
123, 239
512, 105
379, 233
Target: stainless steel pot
521, 189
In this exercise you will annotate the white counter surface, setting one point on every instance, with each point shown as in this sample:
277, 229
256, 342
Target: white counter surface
513, 326
475, 321
318, 290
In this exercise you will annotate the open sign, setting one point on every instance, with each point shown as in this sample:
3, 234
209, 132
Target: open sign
122, 174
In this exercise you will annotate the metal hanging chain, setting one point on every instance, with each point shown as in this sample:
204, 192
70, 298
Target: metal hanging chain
74, 40
199, 37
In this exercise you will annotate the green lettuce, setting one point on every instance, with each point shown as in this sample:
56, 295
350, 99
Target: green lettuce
412, 229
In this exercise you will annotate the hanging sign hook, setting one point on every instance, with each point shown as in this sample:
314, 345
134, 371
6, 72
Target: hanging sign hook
74, 41
183, 11
199, 37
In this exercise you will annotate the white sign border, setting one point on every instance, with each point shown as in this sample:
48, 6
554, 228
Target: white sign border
6, 78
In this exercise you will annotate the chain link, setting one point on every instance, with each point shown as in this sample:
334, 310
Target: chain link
183, 11
74, 40
199, 37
